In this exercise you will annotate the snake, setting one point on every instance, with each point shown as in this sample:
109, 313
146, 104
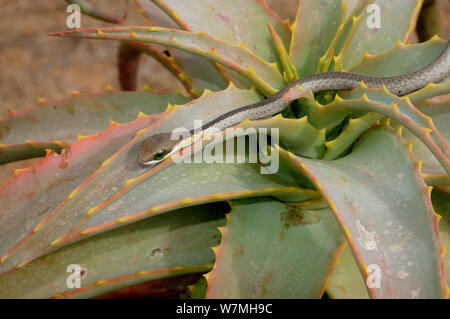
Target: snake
158, 147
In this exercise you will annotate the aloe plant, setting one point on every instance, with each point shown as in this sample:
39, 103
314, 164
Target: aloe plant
358, 208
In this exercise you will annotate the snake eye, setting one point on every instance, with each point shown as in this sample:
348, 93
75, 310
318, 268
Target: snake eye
160, 154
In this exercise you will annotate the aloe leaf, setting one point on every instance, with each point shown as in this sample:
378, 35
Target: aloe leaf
54, 124
115, 177
154, 15
346, 281
88, 9
289, 70
362, 100
314, 27
46, 184
265, 76
31, 196
393, 235
397, 21
219, 19
196, 71
275, 251
297, 135
400, 59
214, 182
430, 91
85, 158
440, 113
153, 249
8, 170
343, 32
355, 128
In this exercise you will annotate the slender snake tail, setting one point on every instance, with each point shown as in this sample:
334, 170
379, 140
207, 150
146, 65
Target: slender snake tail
438, 70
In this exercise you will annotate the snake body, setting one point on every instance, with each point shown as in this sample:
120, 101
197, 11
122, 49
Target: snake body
399, 85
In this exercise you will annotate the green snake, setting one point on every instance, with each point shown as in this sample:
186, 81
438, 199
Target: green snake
157, 147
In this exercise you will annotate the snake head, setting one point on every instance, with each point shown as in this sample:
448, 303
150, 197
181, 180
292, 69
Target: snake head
156, 148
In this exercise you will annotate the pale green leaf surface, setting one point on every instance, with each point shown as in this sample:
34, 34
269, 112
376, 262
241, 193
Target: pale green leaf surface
225, 20
273, 250
400, 59
111, 178
381, 202
363, 99
315, 26
80, 114
35, 192
160, 247
51, 124
297, 135
188, 184
397, 21
345, 281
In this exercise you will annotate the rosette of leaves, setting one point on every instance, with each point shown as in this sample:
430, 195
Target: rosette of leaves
358, 208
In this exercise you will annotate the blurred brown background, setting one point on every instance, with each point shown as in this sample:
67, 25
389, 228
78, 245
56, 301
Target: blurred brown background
34, 65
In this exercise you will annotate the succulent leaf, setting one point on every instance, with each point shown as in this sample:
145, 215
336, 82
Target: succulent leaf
346, 281
355, 128
363, 99
288, 68
46, 184
196, 71
343, 173
315, 25
265, 76
439, 111
116, 178
273, 249
234, 21
54, 124
400, 59
297, 135
386, 232
150, 250
398, 19
342, 34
